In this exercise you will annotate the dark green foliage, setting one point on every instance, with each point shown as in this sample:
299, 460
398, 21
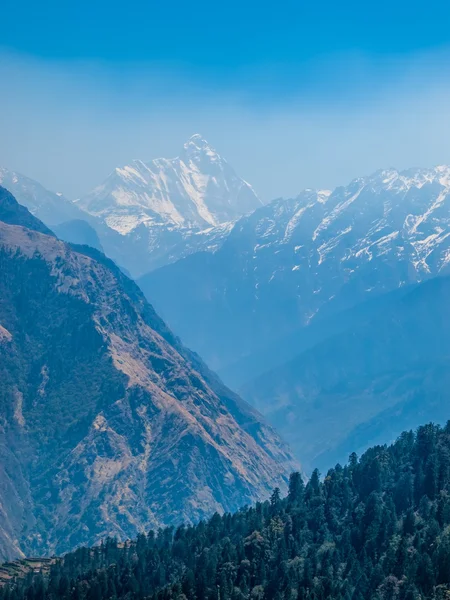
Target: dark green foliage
377, 528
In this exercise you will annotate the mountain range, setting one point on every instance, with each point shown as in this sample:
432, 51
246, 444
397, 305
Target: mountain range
328, 311
51, 208
286, 302
293, 262
109, 425
148, 214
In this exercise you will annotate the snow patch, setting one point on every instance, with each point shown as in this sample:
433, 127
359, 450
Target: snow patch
328, 220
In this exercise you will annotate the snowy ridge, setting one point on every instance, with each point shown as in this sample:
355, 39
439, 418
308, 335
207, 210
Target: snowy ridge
398, 220
147, 240
197, 189
295, 260
413, 206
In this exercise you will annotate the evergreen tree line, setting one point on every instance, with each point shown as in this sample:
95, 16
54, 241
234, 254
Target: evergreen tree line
376, 528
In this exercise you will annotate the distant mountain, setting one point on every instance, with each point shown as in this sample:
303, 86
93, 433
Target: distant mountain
283, 349
387, 371
51, 208
294, 261
80, 232
147, 215
198, 189
147, 248
70, 222
109, 425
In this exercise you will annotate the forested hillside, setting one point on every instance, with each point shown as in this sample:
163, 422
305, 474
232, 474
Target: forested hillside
377, 528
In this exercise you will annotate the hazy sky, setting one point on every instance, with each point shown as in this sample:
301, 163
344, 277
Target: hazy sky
296, 95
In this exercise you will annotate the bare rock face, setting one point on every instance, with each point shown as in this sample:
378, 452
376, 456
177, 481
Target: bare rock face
108, 425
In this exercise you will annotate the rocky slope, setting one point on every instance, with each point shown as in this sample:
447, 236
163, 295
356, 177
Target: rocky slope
386, 371
108, 424
295, 261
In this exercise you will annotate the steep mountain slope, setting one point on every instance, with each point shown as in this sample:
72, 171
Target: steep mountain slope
197, 189
15, 214
296, 260
367, 384
108, 424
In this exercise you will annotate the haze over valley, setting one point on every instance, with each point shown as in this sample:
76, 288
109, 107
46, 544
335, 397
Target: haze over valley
286, 299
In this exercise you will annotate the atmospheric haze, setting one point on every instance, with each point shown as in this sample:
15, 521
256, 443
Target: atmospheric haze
68, 123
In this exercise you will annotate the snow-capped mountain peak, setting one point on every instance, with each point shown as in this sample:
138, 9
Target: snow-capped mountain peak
197, 189
197, 150
197, 143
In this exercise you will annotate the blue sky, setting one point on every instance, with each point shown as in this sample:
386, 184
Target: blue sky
294, 94
221, 36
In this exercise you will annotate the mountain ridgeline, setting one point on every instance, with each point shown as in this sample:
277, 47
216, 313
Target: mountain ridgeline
377, 528
109, 425
148, 214
80, 232
297, 260
328, 312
